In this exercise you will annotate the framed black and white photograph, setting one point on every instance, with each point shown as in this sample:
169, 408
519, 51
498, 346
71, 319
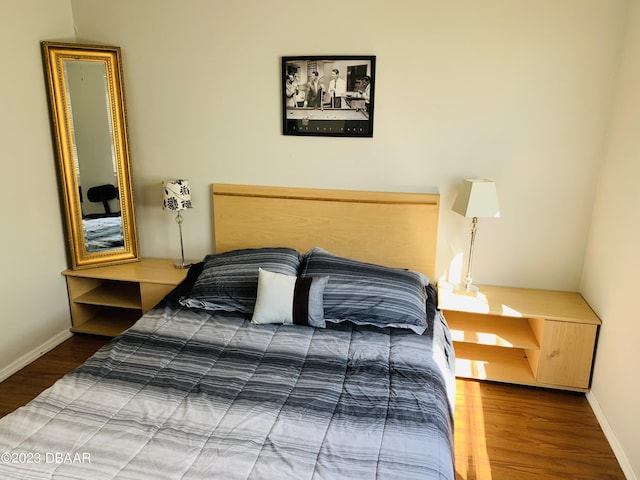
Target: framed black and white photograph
328, 95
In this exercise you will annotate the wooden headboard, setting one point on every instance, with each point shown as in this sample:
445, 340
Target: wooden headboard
392, 229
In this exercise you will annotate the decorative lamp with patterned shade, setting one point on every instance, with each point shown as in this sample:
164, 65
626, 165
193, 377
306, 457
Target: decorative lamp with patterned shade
177, 197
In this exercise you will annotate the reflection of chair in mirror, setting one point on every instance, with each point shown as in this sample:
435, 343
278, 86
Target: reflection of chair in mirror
102, 193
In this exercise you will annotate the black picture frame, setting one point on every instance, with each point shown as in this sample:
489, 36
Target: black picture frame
339, 105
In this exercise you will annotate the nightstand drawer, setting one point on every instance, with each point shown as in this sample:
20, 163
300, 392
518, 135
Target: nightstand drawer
566, 354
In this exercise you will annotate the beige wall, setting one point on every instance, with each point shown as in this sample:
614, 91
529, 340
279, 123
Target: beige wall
32, 291
516, 91
612, 263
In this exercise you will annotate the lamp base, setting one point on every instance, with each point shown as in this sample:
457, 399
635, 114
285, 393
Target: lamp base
182, 264
462, 289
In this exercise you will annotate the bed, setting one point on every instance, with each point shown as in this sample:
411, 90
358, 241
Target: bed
307, 346
103, 233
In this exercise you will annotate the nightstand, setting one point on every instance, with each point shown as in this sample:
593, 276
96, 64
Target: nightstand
109, 299
524, 336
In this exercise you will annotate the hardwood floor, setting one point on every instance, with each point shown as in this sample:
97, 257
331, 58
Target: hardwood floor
26, 384
502, 432
508, 432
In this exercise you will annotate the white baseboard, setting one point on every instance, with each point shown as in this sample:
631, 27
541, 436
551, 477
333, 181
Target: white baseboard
34, 354
611, 437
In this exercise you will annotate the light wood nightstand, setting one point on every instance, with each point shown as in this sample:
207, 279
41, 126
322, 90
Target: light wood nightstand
107, 300
517, 335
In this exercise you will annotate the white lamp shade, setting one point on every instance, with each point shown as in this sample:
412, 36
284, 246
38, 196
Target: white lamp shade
477, 198
177, 195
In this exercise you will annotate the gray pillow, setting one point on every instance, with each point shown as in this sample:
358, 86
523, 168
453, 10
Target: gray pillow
229, 280
369, 294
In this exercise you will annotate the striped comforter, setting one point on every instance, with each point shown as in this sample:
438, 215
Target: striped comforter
186, 395
103, 233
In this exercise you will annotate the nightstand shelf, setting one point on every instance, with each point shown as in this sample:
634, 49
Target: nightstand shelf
524, 336
508, 365
107, 300
107, 323
114, 294
491, 330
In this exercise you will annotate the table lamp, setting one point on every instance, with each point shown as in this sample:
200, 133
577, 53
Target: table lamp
177, 197
477, 198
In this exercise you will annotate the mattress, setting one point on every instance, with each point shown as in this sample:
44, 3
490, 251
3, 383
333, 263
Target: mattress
190, 394
103, 233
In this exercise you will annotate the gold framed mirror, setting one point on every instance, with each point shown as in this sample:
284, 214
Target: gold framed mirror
86, 100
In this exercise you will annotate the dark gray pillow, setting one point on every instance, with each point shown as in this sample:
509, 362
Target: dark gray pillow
369, 294
229, 280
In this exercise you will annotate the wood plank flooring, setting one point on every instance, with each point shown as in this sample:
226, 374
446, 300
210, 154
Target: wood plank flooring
20, 388
508, 432
502, 432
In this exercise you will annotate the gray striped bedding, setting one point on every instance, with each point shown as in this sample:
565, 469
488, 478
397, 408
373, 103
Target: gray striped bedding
104, 233
188, 395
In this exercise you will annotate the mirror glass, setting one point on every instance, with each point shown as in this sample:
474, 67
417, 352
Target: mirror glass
88, 112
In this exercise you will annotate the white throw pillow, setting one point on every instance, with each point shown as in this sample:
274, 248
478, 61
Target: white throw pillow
287, 299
